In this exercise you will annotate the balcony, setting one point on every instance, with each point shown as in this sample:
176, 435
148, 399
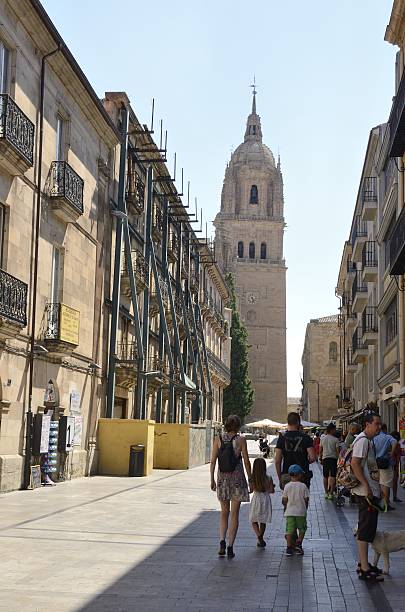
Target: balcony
157, 373
359, 237
141, 273
369, 324
397, 246
154, 299
359, 293
61, 334
65, 192
13, 305
126, 364
16, 138
369, 210
173, 247
351, 364
369, 262
194, 282
359, 348
350, 266
350, 319
157, 223
135, 189
396, 122
220, 373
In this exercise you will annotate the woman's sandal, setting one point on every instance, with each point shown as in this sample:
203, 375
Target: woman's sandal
260, 542
222, 548
370, 576
373, 568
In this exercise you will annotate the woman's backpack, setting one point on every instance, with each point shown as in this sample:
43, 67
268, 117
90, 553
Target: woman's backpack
227, 459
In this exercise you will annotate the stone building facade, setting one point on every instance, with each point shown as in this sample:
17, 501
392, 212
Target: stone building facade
79, 189
249, 243
321, 363
78, 148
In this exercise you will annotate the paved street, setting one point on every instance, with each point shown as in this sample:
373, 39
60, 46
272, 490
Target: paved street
112, 544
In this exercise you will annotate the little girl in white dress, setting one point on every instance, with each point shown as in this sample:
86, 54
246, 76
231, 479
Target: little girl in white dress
260, 505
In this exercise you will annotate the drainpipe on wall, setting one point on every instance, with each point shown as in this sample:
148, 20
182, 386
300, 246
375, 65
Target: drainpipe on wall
29, 419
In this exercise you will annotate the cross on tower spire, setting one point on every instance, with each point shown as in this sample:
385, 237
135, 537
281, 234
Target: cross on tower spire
254, 91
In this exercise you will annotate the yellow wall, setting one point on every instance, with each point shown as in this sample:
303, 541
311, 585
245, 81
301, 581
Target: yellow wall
115, 436
171, 449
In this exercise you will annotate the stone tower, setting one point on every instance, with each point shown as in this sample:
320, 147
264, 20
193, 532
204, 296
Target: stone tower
249, 243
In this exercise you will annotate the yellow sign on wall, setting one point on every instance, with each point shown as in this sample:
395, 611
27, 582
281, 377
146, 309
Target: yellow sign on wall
69, 323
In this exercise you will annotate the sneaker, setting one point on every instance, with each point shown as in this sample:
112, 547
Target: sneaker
298, 548
326, 495
396, 500
289, 551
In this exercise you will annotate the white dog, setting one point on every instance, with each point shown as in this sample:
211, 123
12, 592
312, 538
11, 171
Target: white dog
386, 542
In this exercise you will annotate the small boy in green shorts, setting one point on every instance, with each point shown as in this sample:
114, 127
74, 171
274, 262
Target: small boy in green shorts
295, 501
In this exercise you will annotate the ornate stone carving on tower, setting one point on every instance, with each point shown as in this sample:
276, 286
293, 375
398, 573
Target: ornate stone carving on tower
249, 243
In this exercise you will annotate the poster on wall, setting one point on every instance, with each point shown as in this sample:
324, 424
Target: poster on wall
45, 427
77, 438
75, 402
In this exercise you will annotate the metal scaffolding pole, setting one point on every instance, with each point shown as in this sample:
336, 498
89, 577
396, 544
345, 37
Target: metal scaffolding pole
120, 216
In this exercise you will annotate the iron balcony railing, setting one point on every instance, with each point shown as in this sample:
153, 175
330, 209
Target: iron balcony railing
369, 320
391, 175
135, 187
218, 365
55, 326
351, 265
127, 351
357, 340
346, 299
139, 266
349, 357
16, 128
369, 254
13, 298
397, 246
359, 229
65, 183
359, 286
370, 189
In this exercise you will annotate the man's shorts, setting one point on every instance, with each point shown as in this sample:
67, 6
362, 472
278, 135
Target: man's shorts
292, 523
368, 519
387, 477
329, 467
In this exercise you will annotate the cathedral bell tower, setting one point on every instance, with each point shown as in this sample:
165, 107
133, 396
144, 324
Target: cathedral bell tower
249, 243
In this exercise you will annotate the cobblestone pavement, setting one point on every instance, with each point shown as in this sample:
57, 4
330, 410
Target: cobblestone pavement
118, 544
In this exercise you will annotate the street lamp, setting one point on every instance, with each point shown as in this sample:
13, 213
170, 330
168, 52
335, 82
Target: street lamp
317, 383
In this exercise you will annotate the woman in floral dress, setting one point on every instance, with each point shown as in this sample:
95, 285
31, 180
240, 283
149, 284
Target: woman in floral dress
231, 487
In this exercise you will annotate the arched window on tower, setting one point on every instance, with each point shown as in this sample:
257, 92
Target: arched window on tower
251, 250
263, 251
254, 195
240, 249
333, 351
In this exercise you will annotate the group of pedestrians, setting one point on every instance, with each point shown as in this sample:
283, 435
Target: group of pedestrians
294, 452
374, 464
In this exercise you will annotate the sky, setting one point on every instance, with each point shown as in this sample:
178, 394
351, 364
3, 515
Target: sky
325, 77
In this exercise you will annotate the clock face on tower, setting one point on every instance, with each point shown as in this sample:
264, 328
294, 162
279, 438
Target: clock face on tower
251, 298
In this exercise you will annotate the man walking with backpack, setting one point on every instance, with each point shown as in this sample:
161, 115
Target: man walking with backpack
231, 486
294, 447
363, 464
